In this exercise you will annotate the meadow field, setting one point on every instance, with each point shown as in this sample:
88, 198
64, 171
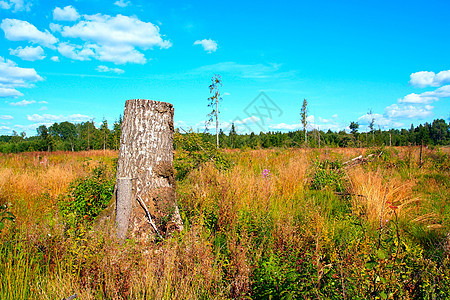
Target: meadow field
269, 224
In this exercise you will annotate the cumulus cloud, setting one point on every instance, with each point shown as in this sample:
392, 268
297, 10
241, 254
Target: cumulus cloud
284, 126
17, 30
314, 123
427, 78
207, 44
414, 98
9, 92
12, 76
68, 13
16, 5
55, 58
122, 3
6, 117
22, 103
427, 97
114, 39
106, 69
119, 54
395, 111
249, 120
380, 120
28, 53
322, 120
75, 52
47, 118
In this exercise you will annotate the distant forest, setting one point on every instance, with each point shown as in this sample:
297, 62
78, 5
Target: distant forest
66, 136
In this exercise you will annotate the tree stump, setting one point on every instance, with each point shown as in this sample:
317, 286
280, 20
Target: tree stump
146, 157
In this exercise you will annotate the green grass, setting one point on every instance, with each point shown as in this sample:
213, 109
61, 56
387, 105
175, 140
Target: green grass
299, 233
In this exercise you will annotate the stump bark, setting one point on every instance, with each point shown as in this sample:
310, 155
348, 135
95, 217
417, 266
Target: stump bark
146, 157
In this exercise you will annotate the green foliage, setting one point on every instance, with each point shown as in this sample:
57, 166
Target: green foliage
192, 152
278, 278
66, 136
328, 174
87, 197
5, 215
439, 160
354, 127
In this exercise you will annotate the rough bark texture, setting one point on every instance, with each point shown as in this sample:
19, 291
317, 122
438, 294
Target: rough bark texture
146, 156
123, 206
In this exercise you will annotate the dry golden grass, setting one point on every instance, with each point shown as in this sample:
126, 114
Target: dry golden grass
236, 218
31, 182
379, 194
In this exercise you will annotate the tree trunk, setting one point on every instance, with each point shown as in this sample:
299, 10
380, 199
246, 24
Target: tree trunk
146, 156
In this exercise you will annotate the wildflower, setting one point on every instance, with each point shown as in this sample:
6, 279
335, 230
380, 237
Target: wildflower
266, 173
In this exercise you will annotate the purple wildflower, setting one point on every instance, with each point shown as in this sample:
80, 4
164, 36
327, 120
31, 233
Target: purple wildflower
266, 173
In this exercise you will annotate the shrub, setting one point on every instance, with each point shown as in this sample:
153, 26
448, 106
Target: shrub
87, 196
328, 174
192, 152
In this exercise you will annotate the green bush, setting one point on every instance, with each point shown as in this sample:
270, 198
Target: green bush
328, 174
192, 152
87, 196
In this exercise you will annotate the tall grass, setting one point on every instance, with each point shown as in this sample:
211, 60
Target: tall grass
256, 230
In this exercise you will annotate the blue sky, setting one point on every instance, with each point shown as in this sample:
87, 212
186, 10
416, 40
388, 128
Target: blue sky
80, 60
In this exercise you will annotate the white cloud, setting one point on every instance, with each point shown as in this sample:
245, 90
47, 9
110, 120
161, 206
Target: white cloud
52, 118
417, 99
207, 44
6, 117
16, 5
122, 3
426, 78
12, 76
28, 53
115, 54
395, 111
427, 97
75, 52
5, 128
112, 39
55, 58
68, 13
380, 120
249, 120
119, 54
109, 70
43, 102
310, 119
17, 30
179, 123
8, 92
284, 126
55, 27
22, 103
321, 124
442, 92
5, 5
43, 108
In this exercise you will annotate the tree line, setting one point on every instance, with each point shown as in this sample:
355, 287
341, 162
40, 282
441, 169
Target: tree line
66, 136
